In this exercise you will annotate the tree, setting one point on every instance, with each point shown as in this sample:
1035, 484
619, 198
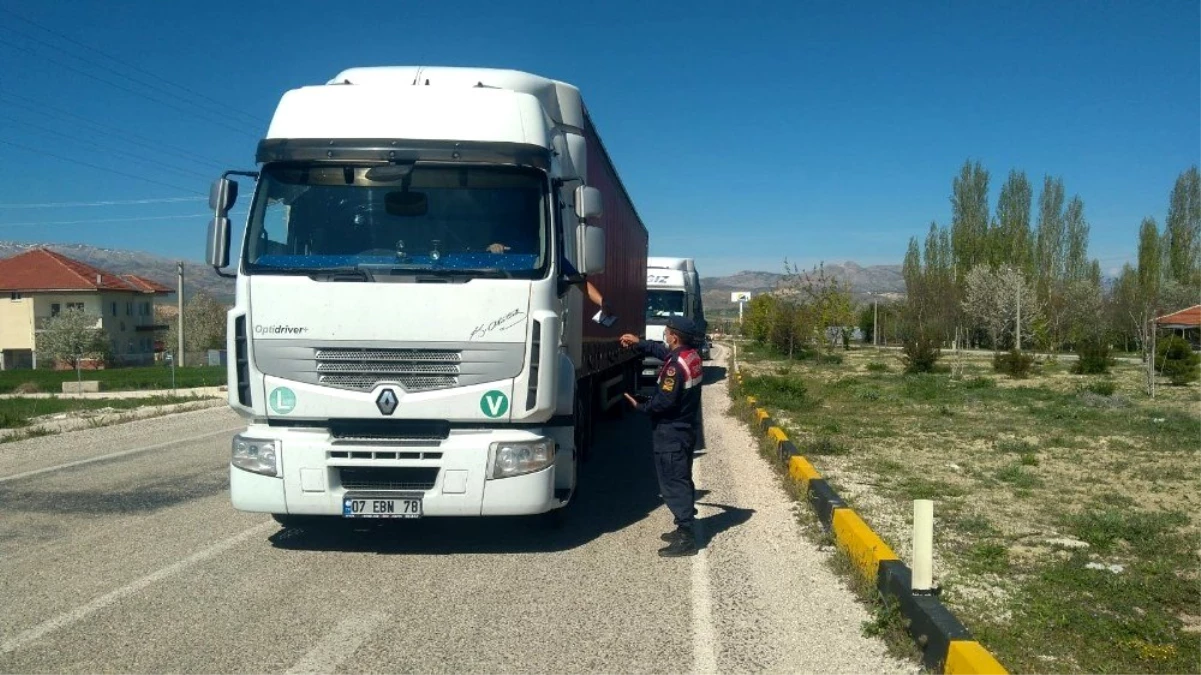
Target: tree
1147, 299
824, 304
991, 300
1012, 245
969, 218
1176, 359
204, 326
1182, 232
72, 337
1076, 263
1049, 245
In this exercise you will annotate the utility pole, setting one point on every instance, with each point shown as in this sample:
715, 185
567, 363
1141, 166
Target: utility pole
875, 322
1151, 360
1019, 327
179, 301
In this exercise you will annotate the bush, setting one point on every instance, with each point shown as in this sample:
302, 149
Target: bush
1094, 358
783, 387
1105, 388
829, 359
877, 367
1175, 359
27, 388
920, 353
1013, 363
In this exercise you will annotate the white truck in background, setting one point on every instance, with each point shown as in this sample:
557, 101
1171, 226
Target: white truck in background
410, 337
673, 288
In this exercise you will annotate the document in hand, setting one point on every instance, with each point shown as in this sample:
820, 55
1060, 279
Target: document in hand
603, 319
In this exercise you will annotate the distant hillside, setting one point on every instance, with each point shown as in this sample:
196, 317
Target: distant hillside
197, 276
865, 282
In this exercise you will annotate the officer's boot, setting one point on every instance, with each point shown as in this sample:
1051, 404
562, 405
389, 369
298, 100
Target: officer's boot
671, 536
683, 544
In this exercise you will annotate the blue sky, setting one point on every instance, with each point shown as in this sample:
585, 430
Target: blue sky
745, 132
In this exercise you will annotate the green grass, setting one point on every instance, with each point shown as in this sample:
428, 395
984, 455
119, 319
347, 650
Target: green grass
115, 379
1143, 531
988, 557
1023, 454
17, 412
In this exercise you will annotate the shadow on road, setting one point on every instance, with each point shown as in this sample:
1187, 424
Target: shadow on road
714, 374
617, 489
729, 518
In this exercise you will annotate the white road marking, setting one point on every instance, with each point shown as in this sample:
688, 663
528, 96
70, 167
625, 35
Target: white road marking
113, 455
83, 611
704, 638
340, 643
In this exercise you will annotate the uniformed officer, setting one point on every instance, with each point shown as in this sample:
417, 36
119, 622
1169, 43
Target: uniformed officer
675, 419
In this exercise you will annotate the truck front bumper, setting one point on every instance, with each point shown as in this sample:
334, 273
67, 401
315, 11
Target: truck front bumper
449, 476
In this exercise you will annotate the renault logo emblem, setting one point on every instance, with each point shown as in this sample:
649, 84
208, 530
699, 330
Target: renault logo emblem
386, 401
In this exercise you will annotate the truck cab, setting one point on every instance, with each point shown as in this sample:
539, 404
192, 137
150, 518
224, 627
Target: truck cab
672, 289
409, 334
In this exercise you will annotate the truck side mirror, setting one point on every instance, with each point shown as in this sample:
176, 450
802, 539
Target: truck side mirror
587, 202
217, 252
222, 195
592, 249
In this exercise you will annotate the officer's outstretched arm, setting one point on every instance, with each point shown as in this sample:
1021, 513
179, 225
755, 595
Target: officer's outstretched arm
654, 348
667, 394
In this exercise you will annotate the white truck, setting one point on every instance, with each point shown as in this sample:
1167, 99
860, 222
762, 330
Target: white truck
673, 288
410, 337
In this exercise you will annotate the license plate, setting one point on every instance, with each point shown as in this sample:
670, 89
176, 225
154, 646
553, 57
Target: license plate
403, 507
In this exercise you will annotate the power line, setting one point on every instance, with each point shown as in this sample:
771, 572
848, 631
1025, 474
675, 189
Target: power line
47, 110
74, 160
114, 202
116, 151
221, 105
122, 87
90, 221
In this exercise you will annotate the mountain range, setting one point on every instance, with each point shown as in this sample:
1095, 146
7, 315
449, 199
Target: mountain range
198, 277
865, 282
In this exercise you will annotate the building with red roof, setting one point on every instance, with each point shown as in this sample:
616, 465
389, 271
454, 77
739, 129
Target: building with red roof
1186, 323
39, 284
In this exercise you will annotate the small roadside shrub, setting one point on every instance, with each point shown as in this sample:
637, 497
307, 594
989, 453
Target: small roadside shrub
784, 387
980, 383
1176, 360
1013, 363
824, 445
829, 359
1104, 388
27, 388
877, 367
920, 353
1093, 358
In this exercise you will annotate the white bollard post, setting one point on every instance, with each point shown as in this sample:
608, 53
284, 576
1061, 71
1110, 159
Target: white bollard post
923, 545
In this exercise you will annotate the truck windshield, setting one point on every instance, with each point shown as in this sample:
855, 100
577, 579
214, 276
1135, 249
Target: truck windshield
463, 220
660, 305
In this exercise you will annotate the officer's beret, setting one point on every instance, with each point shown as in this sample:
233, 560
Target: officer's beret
685, 326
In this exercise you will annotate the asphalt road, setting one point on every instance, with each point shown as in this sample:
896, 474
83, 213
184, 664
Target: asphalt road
119, 552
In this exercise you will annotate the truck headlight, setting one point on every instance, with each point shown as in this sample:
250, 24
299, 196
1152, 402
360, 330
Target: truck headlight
257, 455
517, 457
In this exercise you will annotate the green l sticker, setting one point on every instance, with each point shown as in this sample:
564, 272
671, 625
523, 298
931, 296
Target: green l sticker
282, 400
494, 403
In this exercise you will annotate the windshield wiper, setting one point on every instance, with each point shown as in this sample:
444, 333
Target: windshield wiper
344, 273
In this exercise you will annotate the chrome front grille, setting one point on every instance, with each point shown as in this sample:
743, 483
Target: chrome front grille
413, 369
